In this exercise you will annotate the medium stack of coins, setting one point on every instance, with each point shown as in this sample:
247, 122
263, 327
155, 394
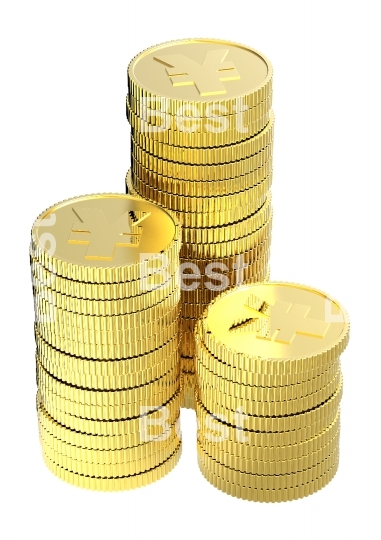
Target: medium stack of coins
269, 389
201, 144
107, 340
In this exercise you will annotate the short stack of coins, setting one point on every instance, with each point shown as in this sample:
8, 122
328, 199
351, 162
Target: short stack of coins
107, 336
269, 389
201, 145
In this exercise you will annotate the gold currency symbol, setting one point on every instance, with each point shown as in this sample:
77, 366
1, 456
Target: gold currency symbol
207, 77
102, 237
287, 320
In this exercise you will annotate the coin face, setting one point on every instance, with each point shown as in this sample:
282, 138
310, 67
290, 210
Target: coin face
301, 321
200, 70
110, 230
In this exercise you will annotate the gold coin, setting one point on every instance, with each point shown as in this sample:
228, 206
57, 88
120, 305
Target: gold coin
138, 323
307, 329
258, 241
277, 423
200, 73
226, 233
313, 379
302, 391
193, 121
108, 398
109, 374
104, 346
212, 281
151, 290
288, 466
117, 483
71, 413
201, 184
215, 135
252, 198
268, 495
207, 156
62, 329
299, 440
257, 481
133, 309
108, 382
222, 203
218, 438
101, 435
109, 470
204, 219
248, 406
81, 238
148, 447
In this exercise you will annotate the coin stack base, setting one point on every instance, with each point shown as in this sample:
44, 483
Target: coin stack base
269, 390
107, 337
201, 146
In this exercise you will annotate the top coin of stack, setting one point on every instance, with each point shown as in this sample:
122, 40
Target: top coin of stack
201, 145
107, 339
269, 389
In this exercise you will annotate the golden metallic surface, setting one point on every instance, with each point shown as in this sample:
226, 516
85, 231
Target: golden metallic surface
213, 235
272, 481
268, 495
205, 219
126, 307
162, 286
195, 135
110, 373
103, 435
301, 391
251, 378
148, 446
217, 438
193, 121
258, 241
202, 180
112, 456
250, 406
102, 238
276, 423
252, 197
206, 292
213, 155
307, 328
81, 465
116, 483
169, 382
111, 381
187, 364
108, 349
137, 323
104, 337
75, 415
281, 467
188, 203
200, 73
187, 348
228, 185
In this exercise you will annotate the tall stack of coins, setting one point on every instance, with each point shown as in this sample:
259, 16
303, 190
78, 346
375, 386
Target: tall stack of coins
269, 389
107, 340
201, 144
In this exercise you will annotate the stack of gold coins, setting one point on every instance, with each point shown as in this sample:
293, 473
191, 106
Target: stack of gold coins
269, 389
107, 335
201, 144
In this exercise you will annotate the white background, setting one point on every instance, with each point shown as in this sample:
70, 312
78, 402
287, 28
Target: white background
64, 133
